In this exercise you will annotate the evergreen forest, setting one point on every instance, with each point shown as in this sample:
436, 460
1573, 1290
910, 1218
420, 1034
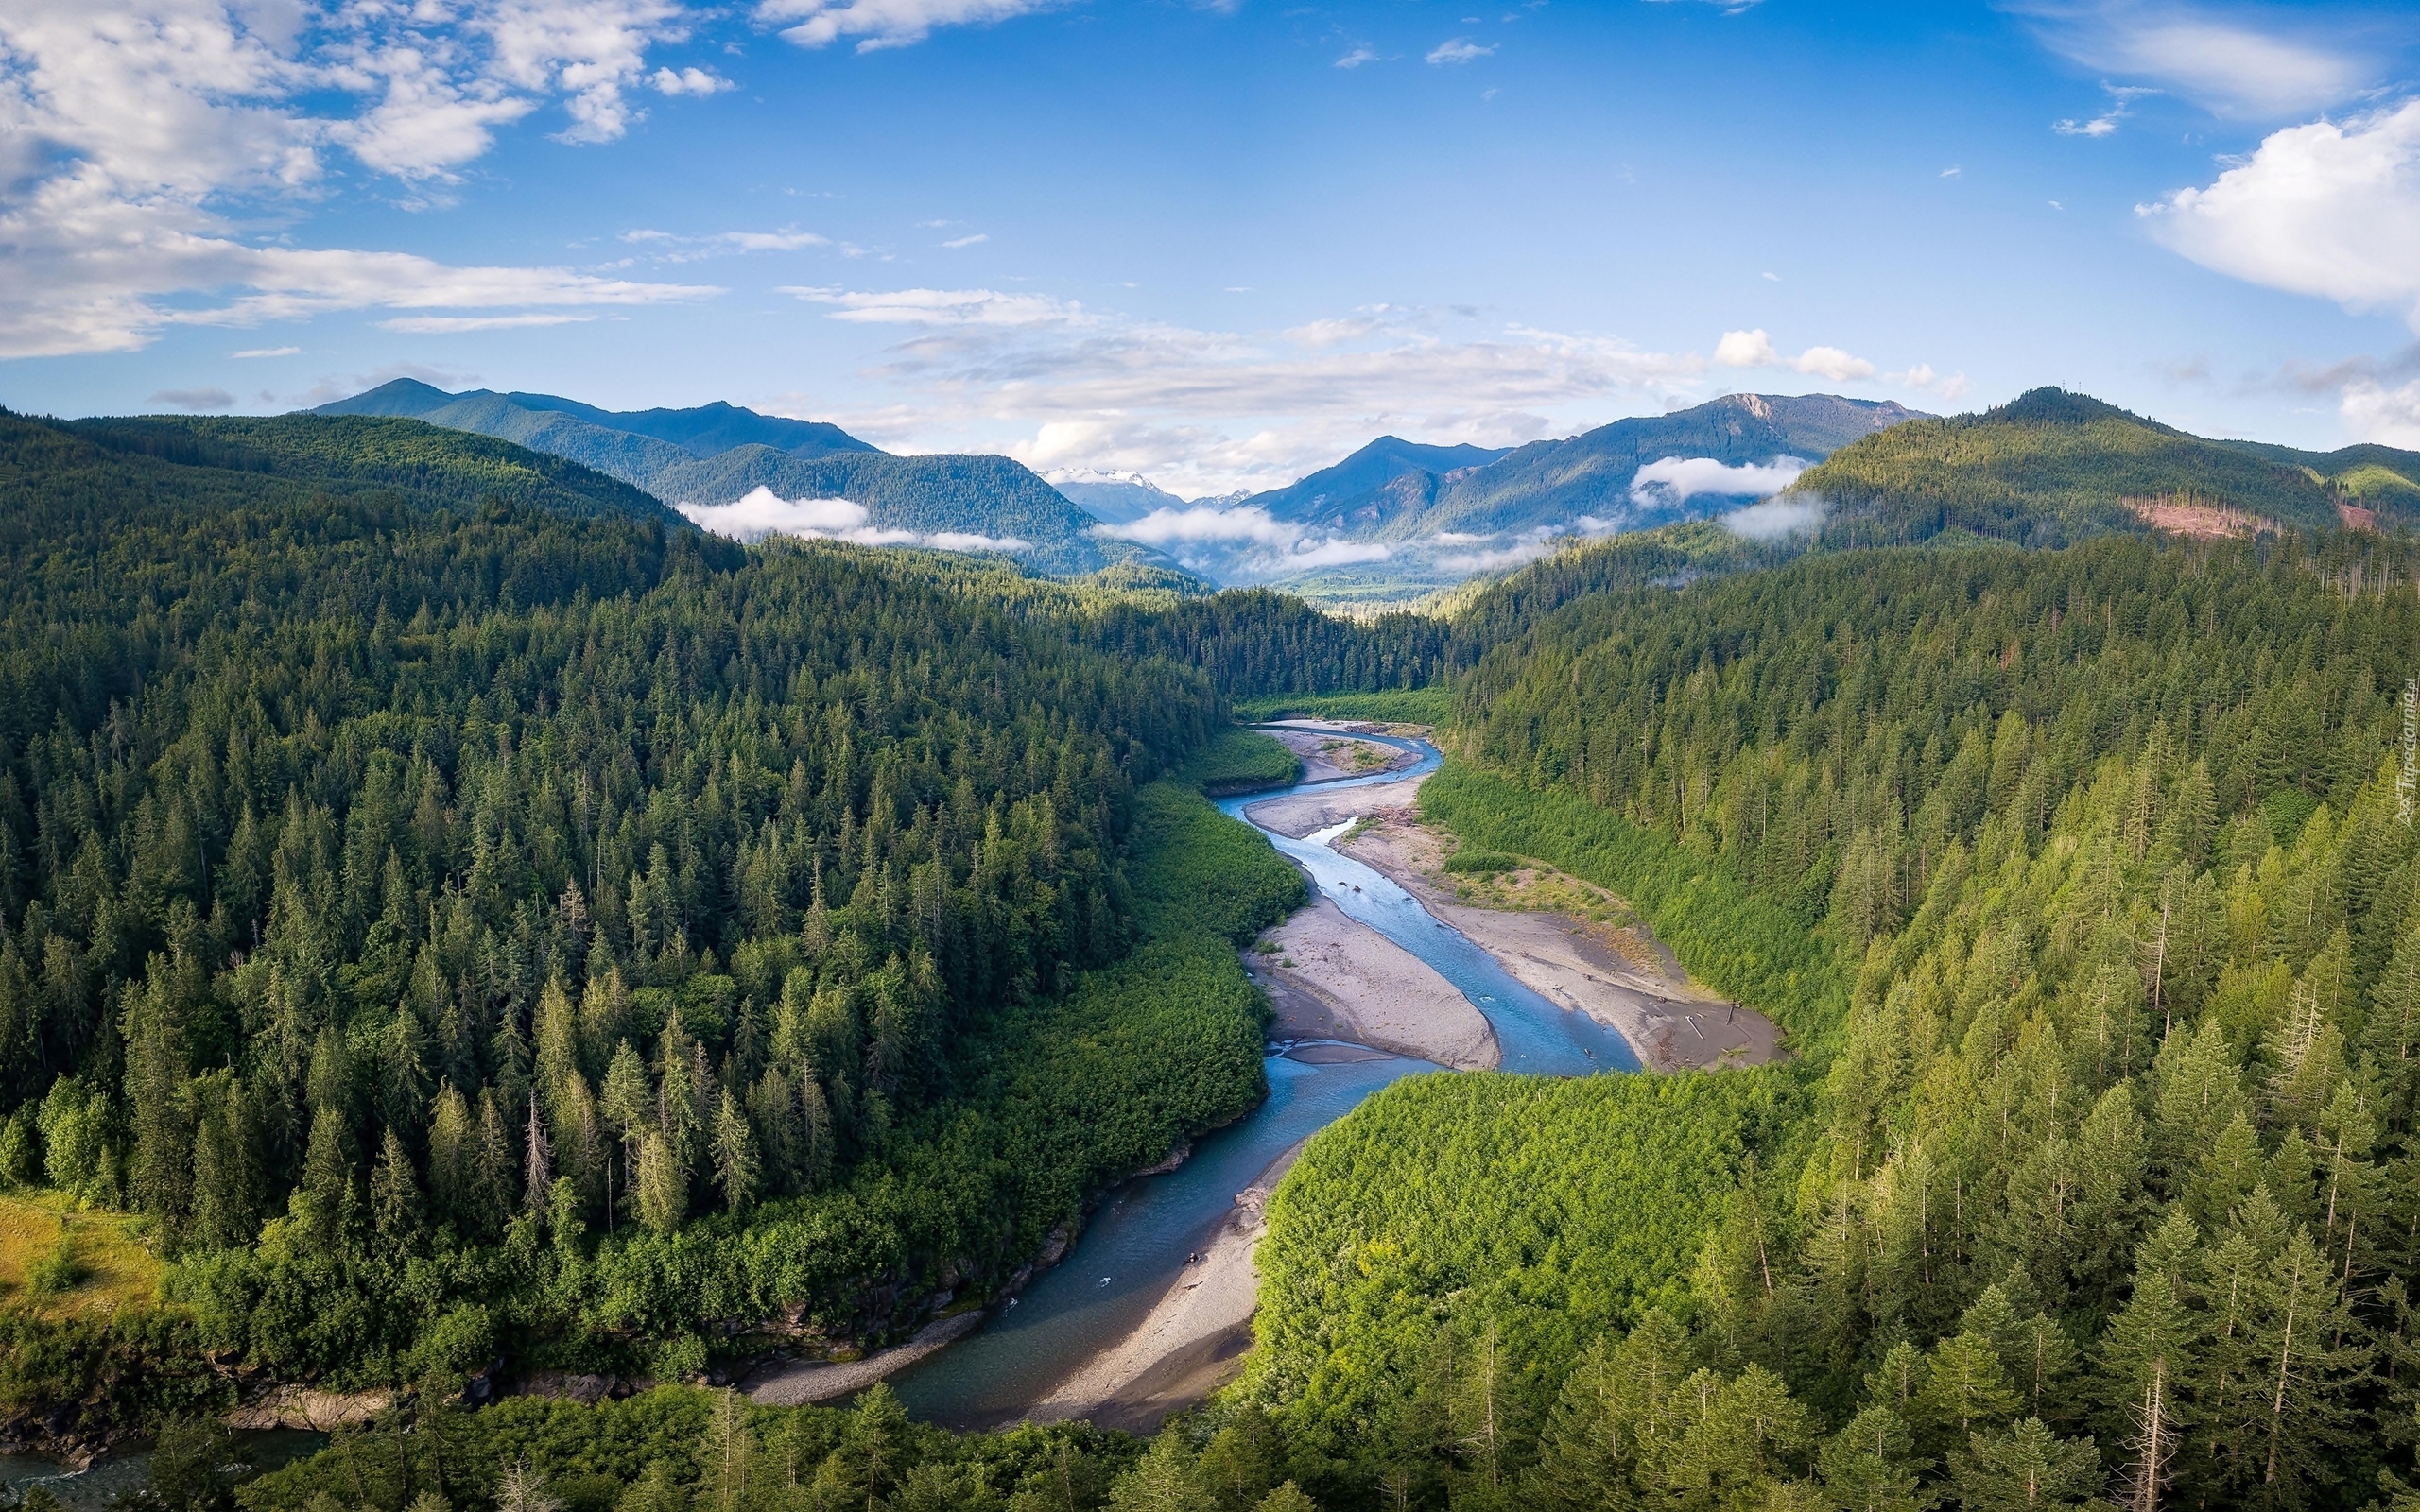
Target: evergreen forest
469, 925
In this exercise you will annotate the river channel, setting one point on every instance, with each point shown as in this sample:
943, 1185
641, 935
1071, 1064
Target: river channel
1136, 1245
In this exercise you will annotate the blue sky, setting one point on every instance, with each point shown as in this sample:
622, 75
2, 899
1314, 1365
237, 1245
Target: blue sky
1217, 244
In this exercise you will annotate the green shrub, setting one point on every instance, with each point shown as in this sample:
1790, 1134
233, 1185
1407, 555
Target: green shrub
1242, 760
1482, 862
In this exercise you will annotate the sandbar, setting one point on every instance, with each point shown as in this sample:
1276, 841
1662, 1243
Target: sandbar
796, 1383
1300, 813
1617, 972
1330, 977
1331, 750
1194, 1338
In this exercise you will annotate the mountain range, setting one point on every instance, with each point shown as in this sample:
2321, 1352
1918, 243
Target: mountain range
1398, 519
719, 454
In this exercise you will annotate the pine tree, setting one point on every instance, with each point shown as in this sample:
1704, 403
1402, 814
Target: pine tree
226, 1202
1870, 1465
323, 1206
2028, 1468
492, 1198
662, 1188
394, 1197
453, 1160
160, 1177
628, 1106
537, 1157
2148, 1358
2311, 1356
734, 1155
1966, 1389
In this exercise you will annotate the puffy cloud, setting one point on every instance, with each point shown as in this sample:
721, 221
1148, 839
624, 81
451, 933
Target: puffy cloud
2389, 416
1784, 514
1240, 542
1458, 50
267, 351
2227, 63
689, 81
1754, 349
2327, 209
1674, 480
1356, 58
762, 512
878, 24
132, 130
1209, 411
956, 242
1167, 527
1337, 554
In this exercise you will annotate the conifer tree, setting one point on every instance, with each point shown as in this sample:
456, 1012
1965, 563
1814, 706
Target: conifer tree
394, 1197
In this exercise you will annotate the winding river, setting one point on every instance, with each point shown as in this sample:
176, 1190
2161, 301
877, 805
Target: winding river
1136, 1245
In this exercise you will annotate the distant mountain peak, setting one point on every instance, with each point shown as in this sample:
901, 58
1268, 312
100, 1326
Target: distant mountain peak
2050, 405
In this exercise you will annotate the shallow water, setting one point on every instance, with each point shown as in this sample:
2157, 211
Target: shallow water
1137, 1244
1132, 1246
1534, 1034
116, 1474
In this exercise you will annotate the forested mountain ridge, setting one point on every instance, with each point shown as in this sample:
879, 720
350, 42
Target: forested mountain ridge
718, 453
2052, 467
2107, 1186
424, 913
1335, 496
701, 430
1553, 483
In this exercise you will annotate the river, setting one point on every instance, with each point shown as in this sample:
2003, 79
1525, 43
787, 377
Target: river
1138, 1243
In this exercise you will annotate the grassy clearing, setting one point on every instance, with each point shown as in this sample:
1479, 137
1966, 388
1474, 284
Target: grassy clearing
58, 1261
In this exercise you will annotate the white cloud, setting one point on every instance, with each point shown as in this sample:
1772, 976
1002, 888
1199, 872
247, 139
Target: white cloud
137, 136
268, 351
2390, 417
2327, 209
1526, 550
1785, 514
1754, 349
1358, 57
762, 512
1458, 50
1166, 527
1241, 543
1207, 411
689, 81
1337, 554
943, 307
2225, 61
2121, 105
679, 249
1675, 480
194, 399
446, 325
968, 241
878, 24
